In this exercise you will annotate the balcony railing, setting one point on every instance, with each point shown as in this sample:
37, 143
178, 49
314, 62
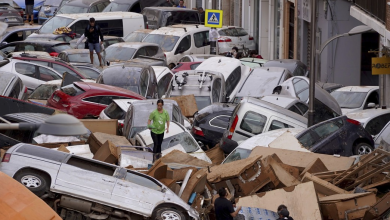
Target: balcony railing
375, 8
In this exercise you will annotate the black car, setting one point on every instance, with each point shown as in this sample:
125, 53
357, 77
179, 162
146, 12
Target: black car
210, 123
137, 77
51, 47
124, 5
165, 16
342, 136
83, 6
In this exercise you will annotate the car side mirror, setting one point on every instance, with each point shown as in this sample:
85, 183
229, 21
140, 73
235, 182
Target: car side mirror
371, 105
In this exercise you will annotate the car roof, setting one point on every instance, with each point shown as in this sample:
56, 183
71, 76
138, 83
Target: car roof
44, 35
201, 57
76, 51
135, 45
290, 64
365, 115
147, 31
170, 9
122, 103
224, 65
42, 42
124, 1
281, 100
102, 15
179, 29
22, 27
81, 2
253, 60
174, 129
218, 107
275, 108
112, 89
35, 118
357, 88
128, 65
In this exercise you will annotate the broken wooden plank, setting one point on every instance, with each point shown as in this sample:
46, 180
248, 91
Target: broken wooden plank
383, 182
314, 167
322, 186
387, 166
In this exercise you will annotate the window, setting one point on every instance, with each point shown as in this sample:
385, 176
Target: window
376, 125
295, 109
221, 121
307, 140
100, 7
89, 72
175, 114
299, 71
61, 47
184, 59
47, 75
301, 89
28, 33
328, 128
216, 91
233, 80
253, 123
16, 90
8, 49
26, 69
142, 181
151, 51
111, 27
275, 125
93, 9
67, 39
72, 90
91, 166
62, 69
238, 154
94, 99
193, 66
43, 63
16, 36
144, 81
304, 108
164, 84
79, 27
106, 100
141, 52
201, 39
184, 45
27, 48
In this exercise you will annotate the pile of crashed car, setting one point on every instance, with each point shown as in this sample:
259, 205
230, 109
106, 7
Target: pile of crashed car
240, 124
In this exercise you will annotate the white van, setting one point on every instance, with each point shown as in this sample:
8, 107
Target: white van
111, 23
254, 116
179, 40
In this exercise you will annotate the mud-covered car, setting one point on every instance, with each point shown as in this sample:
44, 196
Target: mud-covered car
82, 186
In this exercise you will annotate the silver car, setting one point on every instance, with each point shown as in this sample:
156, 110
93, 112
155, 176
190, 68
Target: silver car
12, 86
10, 15
91, 187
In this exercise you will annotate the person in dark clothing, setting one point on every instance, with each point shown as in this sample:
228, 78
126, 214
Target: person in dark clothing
92, 32
29, 10
202, 14
223, 207
283, 213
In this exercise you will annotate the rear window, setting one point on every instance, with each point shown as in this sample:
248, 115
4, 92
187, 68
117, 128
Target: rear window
253, 122
61, 47
89, 72
233, 32
72, 90
113, 111
43, 92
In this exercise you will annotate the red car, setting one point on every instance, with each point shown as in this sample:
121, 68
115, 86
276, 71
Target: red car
185, 66
56, 63
87, 100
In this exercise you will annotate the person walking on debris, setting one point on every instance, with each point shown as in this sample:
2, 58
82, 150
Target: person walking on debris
223, 207
29, 11
92, 32
159, 117
283, 213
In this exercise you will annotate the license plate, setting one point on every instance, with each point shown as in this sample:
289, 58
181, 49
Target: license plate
10, 19
56, 98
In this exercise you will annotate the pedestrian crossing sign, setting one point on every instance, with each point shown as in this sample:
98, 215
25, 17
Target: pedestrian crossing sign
213, 18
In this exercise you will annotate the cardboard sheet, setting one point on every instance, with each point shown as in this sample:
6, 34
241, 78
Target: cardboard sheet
323, 187
107, 153
97, 139
178, 157
187, 104
293, 197
216, 155
302, 159
108, 126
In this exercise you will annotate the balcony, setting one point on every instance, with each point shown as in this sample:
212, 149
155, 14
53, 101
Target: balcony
375, 8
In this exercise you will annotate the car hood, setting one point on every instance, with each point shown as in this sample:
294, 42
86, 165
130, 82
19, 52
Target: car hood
348, 110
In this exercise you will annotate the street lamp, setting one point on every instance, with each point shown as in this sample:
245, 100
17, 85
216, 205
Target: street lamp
317, 55
58, 125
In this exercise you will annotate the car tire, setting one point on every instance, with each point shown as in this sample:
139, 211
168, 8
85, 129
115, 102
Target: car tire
35, 181
171, 66
168, 213
362, 148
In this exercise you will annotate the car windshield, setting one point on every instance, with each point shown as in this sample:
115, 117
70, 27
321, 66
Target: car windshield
89, 72
62, 47
135, 37
166, 42
113, 6
202, 101
38, 38
233, 32
184, 139
82, 58
257, 85
115, 77
53, 2
44, 91
349, 99
238, 154
118, 53
54, 23
70, 9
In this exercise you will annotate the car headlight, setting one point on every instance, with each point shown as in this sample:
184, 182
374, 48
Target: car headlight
42, 14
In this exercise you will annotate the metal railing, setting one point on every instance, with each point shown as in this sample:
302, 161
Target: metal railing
375, 8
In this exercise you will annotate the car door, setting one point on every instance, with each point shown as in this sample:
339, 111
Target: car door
201, 42
252, 123
46, 74
216, 95
86, 178
138, 192
29, 74
144, 84
183, 48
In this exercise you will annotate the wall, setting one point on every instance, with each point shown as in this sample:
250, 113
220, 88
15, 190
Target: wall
340, 61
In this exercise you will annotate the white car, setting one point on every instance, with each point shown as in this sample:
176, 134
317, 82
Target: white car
197, 57
353, 98
291, 103
232, 36
245, 148
164, 78
383, 135
178, 138
373, 120
12, 86
179, 40
232, 70
31, 74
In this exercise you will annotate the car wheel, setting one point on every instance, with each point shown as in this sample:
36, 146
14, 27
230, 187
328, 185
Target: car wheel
362, 148
168, 213
35, 181
171, 66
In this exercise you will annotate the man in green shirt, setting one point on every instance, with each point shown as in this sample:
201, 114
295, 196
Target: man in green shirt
156, 124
